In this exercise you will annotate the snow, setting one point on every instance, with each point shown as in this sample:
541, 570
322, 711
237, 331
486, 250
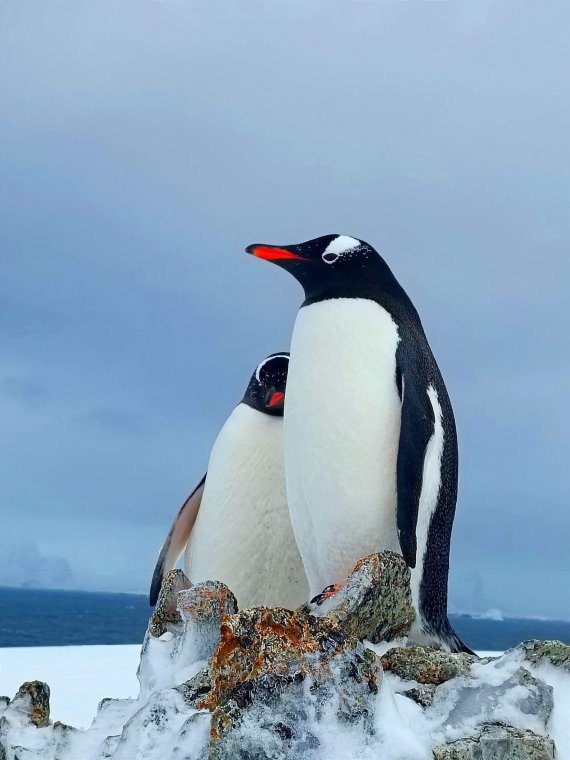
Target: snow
559, 726
79, 677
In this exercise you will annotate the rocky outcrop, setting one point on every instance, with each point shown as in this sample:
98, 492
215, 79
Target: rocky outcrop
197, 688
541, 652
272, 662
203, 609
32, 700
426, 665
498, 742
166, 617
184, 630
276, 684
375, 603
422, 695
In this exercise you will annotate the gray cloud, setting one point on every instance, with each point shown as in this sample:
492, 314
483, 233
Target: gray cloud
145, 145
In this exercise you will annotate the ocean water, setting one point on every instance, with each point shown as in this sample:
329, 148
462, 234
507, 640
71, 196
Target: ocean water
33, 617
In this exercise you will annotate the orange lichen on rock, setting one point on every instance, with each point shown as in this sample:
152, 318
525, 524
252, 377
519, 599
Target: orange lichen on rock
275, 643
372, 562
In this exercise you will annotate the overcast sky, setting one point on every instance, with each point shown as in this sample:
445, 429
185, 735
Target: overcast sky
144, 145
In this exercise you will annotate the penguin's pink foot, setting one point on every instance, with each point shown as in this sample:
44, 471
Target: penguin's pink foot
326, 593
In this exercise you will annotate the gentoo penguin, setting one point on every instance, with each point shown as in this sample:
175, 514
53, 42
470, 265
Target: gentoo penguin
369, 434
235, 525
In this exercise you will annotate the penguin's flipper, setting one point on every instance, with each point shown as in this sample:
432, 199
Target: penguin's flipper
177, 539
416, 428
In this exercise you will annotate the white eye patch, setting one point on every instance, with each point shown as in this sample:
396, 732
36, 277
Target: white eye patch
338, 246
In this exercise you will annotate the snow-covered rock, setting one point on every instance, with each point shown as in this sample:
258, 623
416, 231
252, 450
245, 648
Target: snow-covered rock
183, 631
516, 698
275, 684
285, 672
498, 742
32, 702
545, 653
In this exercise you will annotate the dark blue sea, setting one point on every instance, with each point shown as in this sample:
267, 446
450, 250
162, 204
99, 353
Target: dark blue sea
31, 617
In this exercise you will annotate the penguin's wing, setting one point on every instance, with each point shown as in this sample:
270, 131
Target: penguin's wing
416, 428
177, 539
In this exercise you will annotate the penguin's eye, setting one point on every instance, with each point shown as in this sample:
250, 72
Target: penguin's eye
330, 258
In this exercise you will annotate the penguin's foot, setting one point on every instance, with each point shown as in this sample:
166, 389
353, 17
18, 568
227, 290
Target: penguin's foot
325, 594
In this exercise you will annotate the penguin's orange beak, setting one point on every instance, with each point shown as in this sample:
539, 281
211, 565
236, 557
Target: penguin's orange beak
271, 252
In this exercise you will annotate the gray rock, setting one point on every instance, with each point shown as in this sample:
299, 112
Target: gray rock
498, 742
3, 738
422, 695
375, 603
426, 665
196, 688
538, 652
202, 608
469, 698
262, 737
166, 616
64, 728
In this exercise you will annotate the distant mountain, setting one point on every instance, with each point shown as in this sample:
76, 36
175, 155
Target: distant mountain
24, 566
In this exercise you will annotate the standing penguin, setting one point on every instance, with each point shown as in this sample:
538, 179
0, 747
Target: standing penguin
369, 436
235, 525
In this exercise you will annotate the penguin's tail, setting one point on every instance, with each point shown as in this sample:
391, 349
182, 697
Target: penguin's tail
439, 634
449, 639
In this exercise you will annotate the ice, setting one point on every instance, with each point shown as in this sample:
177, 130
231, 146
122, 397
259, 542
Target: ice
158, 723
493, 693
559, 727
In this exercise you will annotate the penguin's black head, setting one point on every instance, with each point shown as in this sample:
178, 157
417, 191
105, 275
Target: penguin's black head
266, 389
326, 265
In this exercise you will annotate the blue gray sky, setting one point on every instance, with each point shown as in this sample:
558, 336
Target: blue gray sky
143, 145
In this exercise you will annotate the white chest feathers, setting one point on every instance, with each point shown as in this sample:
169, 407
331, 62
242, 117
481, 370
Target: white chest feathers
242, 534
341, 432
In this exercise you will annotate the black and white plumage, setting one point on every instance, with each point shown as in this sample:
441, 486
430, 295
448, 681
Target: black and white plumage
235, 524
369, 440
